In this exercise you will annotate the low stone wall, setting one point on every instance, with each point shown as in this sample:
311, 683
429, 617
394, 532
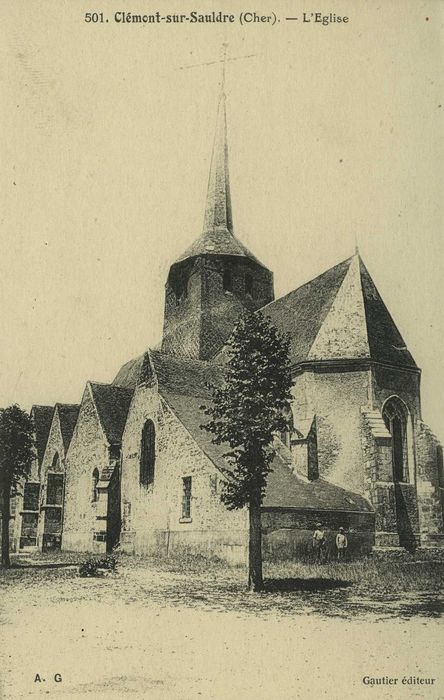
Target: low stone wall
229, 546
288, 534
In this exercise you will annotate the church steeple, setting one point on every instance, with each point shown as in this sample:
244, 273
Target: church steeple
218, 214
217, 276
217, 237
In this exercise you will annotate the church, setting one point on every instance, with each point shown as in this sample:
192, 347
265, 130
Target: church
130, 466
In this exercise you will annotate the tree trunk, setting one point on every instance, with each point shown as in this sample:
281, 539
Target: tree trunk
6, 509
255, 580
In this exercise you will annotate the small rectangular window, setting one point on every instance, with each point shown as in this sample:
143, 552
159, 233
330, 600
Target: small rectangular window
186, 497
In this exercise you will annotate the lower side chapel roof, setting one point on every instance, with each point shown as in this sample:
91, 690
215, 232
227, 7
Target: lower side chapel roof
285, 489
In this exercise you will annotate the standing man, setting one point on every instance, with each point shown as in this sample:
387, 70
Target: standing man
341, 544
319, 542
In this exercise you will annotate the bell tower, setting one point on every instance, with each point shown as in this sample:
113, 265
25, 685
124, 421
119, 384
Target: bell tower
217, 276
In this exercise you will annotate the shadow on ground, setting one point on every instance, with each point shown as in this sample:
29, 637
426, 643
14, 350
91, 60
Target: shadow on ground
366, 590
54, 565
288, 585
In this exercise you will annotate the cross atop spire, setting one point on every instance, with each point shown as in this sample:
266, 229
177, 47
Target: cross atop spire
217, 236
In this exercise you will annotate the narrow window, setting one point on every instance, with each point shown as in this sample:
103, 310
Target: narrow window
147, 454
248, 284
228, 281
54, 490
395, 418
95, 490
56, 462
186, 497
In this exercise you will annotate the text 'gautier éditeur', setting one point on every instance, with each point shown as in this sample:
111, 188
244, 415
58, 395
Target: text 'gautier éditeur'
250, 17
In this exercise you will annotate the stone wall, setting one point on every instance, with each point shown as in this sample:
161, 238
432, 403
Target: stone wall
16, 525
152, 516
336, 399
395, 504
429, 486
199, 313
88, 450
48, 537
288, 534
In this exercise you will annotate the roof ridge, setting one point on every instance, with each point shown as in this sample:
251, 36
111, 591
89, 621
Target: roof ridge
109, 384
313, 279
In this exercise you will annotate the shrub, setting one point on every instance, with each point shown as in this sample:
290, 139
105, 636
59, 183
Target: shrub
96, 567
109, 563
89, 567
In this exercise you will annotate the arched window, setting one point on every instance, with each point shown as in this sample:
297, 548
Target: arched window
179, 284
395, 417
56, 462
94, 483
147, 454
228, 281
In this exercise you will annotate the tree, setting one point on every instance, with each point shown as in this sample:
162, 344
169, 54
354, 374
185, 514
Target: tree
16, 456
246, 413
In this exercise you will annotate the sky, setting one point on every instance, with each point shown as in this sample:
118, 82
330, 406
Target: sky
335, 139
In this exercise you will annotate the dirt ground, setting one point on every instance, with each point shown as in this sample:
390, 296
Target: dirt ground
153, 630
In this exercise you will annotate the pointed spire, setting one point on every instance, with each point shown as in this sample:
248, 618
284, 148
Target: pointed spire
218, 213
217, 237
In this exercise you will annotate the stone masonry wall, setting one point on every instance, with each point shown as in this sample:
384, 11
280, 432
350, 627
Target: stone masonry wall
54, 446
16, 524
395, 504
336, 400
88, 449
288, 535
429, 480
152, 520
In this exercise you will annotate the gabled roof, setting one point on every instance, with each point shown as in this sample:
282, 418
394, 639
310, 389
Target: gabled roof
68, 414
112, 404
285, 489
42, 418
339, 315
302, 312
177, 375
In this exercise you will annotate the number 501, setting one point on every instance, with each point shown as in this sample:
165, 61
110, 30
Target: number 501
94, 17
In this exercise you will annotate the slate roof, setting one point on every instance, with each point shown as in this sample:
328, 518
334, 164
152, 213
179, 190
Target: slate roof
218, 241
68, 414
42, 418
128, 374
385, 340
112, 404
177, 375
218, 234
302, 312
285, 489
